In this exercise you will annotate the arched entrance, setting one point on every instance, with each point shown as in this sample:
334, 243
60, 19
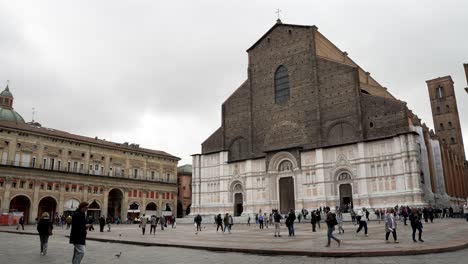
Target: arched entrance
133, 211
286, 194
151, 209
49, 205
94, 210
20, 204
238, 204
346, 197
114, 206
180, 209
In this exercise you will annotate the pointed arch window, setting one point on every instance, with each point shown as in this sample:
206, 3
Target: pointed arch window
281, 85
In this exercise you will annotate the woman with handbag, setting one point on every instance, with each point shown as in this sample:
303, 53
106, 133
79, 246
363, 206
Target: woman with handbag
44, 227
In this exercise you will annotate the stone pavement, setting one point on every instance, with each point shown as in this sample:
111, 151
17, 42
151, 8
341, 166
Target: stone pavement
24, 249
440, 236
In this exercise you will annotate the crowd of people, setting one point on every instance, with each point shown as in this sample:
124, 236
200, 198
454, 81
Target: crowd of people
80, 224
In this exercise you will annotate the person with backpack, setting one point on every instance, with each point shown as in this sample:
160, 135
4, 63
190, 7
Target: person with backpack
331, 223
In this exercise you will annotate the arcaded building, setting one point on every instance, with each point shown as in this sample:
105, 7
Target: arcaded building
48, 170
309, 127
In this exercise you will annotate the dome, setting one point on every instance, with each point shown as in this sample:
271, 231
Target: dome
10, 115
6, 93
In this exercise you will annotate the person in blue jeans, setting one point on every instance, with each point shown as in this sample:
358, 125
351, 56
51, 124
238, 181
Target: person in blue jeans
78, 232
331, 223
290, 222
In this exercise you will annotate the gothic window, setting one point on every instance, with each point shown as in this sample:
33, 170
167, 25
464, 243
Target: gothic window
440, 92
285, 166
281, 85
238, 187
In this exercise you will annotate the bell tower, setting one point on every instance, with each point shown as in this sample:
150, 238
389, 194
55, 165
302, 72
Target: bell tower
445, 112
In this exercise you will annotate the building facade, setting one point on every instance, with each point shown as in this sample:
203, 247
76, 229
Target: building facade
184, 187
309, 128
47, 170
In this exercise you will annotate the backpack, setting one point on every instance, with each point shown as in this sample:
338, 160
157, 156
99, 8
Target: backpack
333, 220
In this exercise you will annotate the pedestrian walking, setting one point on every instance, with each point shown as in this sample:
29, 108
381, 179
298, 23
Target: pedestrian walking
20, 223
416, 224
318, 217
277, 218
219, 223
143, 221
360, 218
339, 219
367, 215
44, 227
198, 220
390, 225
91, 223
353, 216
313, 220
78, 232
226, 222
174, 224
266, 220
260, 221
248, 221
153, 224
299, 216
102, 223
108, 222
290, 222
331, 223
161, 222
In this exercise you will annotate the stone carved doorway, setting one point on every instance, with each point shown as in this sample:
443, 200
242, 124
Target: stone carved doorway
286, 194
346, 197
238, 204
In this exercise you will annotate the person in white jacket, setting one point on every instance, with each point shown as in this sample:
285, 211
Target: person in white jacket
390, 225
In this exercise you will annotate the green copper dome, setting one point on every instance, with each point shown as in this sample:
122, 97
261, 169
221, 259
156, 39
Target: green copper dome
10, 115
6, 93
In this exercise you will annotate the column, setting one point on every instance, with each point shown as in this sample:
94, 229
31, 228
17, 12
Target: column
35, 202
124, 207
143, 201
85, 193
6, 196
105, 202
61, 199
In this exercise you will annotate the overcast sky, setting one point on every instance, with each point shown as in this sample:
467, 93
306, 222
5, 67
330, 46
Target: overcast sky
155, 73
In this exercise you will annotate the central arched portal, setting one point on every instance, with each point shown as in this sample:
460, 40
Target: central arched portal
286, 194
114, 206
49, 205
94, 210
346, 197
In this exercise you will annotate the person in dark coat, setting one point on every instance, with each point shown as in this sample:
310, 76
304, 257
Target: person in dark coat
20, 223
102, 223
78, 232
313, 220
219, 223
44, 227
198, 220
416, 224
290, 222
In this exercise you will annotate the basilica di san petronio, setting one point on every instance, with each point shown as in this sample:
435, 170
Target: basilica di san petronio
312, 157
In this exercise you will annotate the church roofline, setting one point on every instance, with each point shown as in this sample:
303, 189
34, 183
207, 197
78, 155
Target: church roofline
273, 27
440, 79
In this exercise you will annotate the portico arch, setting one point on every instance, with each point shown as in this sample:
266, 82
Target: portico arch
21, 203
344, 182
114, 205
47, 204
279, 157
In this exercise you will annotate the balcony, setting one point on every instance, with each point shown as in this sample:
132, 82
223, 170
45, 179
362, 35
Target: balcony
74, 170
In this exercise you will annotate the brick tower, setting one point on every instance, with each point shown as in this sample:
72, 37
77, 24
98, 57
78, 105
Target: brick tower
445, 112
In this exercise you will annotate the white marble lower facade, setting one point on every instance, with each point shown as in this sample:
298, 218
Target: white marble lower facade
377, 174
